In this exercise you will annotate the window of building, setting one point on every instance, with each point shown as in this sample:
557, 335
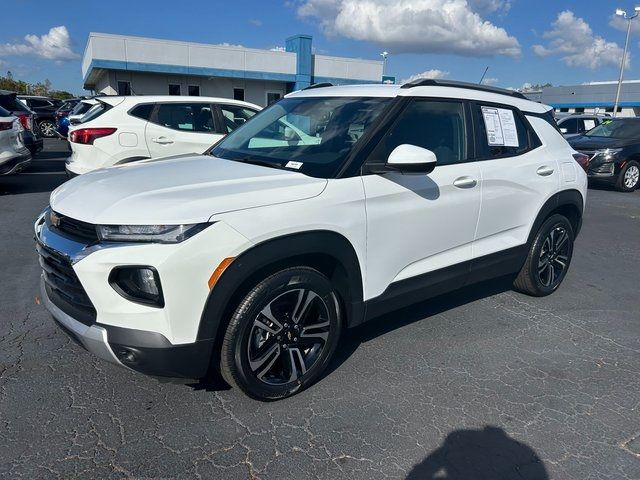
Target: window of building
485, 150
187, 117
272, 97
238, 94
174, 89
194, 90
434, 125
124, 88
235, 115
564, 110
580, 110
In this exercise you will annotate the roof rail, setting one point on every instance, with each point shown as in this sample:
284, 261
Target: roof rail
318, 85
428, 82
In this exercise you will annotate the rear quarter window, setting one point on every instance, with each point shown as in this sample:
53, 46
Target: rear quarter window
508, 144
143, 111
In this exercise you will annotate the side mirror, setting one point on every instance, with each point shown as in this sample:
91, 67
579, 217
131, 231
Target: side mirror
411, 159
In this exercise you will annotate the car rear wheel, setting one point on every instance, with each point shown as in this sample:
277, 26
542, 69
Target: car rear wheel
549, 258
47, 128
282, 335
629, 177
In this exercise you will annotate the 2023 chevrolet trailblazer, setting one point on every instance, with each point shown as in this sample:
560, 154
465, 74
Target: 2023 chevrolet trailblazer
329, 208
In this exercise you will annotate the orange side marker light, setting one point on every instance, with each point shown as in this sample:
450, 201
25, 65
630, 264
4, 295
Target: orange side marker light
215, 276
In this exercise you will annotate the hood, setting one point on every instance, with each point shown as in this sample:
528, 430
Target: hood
584, 142
179, 190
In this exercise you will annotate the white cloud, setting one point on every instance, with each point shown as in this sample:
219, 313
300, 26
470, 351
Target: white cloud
278, 49
55, 45
255, 22
429, 74
621, 24
489, 81
572, 39
415, 26
490, 6
232, 45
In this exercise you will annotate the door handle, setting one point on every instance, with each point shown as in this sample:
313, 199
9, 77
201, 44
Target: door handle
465, 182
162, 140
544, 171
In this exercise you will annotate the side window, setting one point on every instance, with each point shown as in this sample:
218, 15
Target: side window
234, 116
570, 125
502, 133
436, 125
142, 111
185, 117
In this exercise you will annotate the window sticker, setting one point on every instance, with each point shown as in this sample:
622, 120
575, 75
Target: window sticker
292, 164
500, 126
589, 123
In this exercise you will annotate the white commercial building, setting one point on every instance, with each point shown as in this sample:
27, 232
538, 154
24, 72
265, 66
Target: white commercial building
124, 65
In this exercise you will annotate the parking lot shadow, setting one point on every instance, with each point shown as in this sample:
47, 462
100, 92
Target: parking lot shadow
382, 325
487, 454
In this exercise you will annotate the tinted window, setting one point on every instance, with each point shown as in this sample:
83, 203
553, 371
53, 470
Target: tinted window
81, 108
12, 104
4, 113
435, 125
238, 94
188, 117
95, 111
142, 111
174, 89
273, 97
194, 90
37, 103
570, 125
234, 116
512, 144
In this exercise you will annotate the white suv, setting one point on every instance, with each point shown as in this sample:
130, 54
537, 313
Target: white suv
14, 156
125, 129
252, 258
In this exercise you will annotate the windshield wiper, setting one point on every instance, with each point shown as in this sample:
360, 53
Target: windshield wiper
262, 163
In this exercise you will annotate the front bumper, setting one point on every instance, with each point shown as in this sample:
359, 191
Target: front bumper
154, 341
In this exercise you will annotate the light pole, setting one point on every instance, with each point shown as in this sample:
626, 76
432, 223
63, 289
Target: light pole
384, 56
623, 14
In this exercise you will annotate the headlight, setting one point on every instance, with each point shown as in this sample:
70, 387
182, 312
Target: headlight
149, 233
608, 154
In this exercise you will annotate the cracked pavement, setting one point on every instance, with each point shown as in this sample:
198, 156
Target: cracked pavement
480, 383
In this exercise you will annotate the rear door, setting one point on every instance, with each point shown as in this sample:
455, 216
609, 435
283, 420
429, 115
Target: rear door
518, 175
176, 128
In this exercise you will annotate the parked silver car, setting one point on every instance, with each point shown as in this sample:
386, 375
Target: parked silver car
571, 125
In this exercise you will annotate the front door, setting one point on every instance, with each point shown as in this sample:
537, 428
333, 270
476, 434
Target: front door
178, 128
418, 224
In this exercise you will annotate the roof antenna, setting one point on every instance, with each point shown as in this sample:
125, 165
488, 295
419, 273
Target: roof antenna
482, 78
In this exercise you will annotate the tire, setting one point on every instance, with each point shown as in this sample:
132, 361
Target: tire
265, 351
536, 278
629, 177
47, 128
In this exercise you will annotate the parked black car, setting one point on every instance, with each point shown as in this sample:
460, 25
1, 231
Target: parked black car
613, 148
45, 112
32, 139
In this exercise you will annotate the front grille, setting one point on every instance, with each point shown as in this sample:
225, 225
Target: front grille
76, 229
63, 286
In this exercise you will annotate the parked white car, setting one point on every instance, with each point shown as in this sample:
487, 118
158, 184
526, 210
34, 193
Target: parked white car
14, 156
121, 130
253, 258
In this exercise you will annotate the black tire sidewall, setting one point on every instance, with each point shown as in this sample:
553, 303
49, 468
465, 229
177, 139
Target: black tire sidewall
242, 320
620, 183
551, 223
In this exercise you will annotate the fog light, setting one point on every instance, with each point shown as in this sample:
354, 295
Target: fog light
138, 284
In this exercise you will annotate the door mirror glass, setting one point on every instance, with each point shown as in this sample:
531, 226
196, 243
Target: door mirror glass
411, 159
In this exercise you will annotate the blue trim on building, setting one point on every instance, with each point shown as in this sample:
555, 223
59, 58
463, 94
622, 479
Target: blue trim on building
184, 70
344, 81
593, 104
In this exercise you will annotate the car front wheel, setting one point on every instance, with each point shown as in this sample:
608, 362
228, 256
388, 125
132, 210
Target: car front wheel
629, 177
282, 335
549, 258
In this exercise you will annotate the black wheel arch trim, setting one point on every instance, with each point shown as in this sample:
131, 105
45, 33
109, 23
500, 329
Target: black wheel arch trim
566, 198
283, 251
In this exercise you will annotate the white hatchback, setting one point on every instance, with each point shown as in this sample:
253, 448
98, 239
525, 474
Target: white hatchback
14, 156
126, 129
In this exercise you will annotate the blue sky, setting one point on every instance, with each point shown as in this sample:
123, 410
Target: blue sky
521, 41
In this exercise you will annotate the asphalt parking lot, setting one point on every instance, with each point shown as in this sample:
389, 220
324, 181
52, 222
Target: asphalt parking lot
482, 383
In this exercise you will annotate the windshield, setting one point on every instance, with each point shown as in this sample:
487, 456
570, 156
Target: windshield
313, 135
616, 128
